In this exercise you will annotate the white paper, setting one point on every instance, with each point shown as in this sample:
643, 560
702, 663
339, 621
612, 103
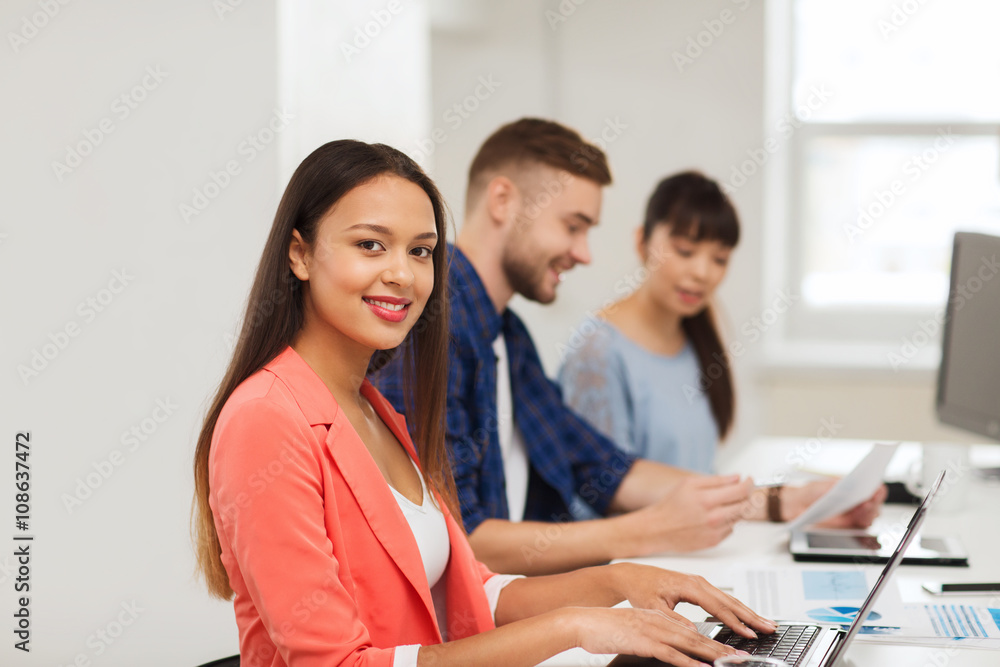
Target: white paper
852, 489
830, 595
943, 625
834, 595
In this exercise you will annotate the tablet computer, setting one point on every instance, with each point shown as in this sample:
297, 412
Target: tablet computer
859, 546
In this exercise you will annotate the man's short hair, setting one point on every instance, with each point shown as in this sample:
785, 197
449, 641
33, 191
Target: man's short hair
530, 142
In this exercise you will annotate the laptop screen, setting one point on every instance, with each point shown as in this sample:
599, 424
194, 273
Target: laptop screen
894, 560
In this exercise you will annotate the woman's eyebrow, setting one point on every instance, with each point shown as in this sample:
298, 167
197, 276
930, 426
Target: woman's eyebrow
385, 231
378, 229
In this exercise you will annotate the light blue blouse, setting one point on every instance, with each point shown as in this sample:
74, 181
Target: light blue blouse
649, 404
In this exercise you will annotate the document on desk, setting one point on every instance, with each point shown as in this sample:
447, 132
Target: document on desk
830, 595
957, 625
852, 489
835, 595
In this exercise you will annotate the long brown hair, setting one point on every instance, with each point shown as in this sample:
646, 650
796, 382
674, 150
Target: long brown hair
695, 207
275, 313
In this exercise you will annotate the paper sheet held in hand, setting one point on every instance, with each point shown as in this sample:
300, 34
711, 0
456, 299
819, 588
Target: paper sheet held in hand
853, 489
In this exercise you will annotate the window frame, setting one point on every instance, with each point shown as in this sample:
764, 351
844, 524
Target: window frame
836, 336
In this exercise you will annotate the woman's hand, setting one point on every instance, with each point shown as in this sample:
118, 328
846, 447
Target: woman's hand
655, 588
795, 500
645, 632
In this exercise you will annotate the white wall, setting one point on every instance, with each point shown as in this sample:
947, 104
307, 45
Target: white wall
357, 70
157, 334
110, 510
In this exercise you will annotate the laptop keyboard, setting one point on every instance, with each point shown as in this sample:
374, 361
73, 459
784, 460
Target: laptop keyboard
788, 643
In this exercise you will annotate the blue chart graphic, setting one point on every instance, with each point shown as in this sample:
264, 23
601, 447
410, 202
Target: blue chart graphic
825, 585
843, 615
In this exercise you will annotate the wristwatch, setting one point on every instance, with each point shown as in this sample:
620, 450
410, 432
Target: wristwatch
774, 503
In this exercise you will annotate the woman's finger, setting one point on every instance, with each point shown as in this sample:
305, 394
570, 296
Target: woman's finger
739, 617
679, 619
692, 643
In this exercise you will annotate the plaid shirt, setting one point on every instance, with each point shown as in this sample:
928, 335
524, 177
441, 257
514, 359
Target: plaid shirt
567, 456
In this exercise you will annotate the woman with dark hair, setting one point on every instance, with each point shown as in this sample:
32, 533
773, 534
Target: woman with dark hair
651, 372
314, 511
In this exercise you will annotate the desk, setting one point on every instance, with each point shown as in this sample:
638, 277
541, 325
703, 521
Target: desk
759, 544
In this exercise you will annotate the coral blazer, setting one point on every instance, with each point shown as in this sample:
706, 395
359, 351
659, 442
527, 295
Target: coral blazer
323, 564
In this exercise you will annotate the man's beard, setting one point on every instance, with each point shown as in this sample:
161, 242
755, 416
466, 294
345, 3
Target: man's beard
526, 274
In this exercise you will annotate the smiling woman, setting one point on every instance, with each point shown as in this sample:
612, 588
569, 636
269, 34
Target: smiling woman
347, 552
653, 374
369, 272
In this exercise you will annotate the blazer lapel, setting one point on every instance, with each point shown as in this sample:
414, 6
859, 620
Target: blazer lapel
356, 464
467, 608
377, 503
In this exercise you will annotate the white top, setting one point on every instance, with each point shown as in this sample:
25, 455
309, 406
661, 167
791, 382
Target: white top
431, 534
429, 530
512, 448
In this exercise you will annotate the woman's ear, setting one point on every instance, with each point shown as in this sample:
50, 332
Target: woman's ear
297, 252
640, 245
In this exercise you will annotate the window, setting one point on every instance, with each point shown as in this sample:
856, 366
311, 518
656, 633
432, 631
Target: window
896, 145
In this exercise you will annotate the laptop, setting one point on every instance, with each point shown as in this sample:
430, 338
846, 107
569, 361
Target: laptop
807, 644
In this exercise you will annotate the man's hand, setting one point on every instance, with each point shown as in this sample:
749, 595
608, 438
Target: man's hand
698, 513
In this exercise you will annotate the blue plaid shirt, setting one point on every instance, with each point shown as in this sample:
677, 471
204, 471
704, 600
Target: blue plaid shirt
567, 456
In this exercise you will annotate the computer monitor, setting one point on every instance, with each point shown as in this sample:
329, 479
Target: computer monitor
968, 384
